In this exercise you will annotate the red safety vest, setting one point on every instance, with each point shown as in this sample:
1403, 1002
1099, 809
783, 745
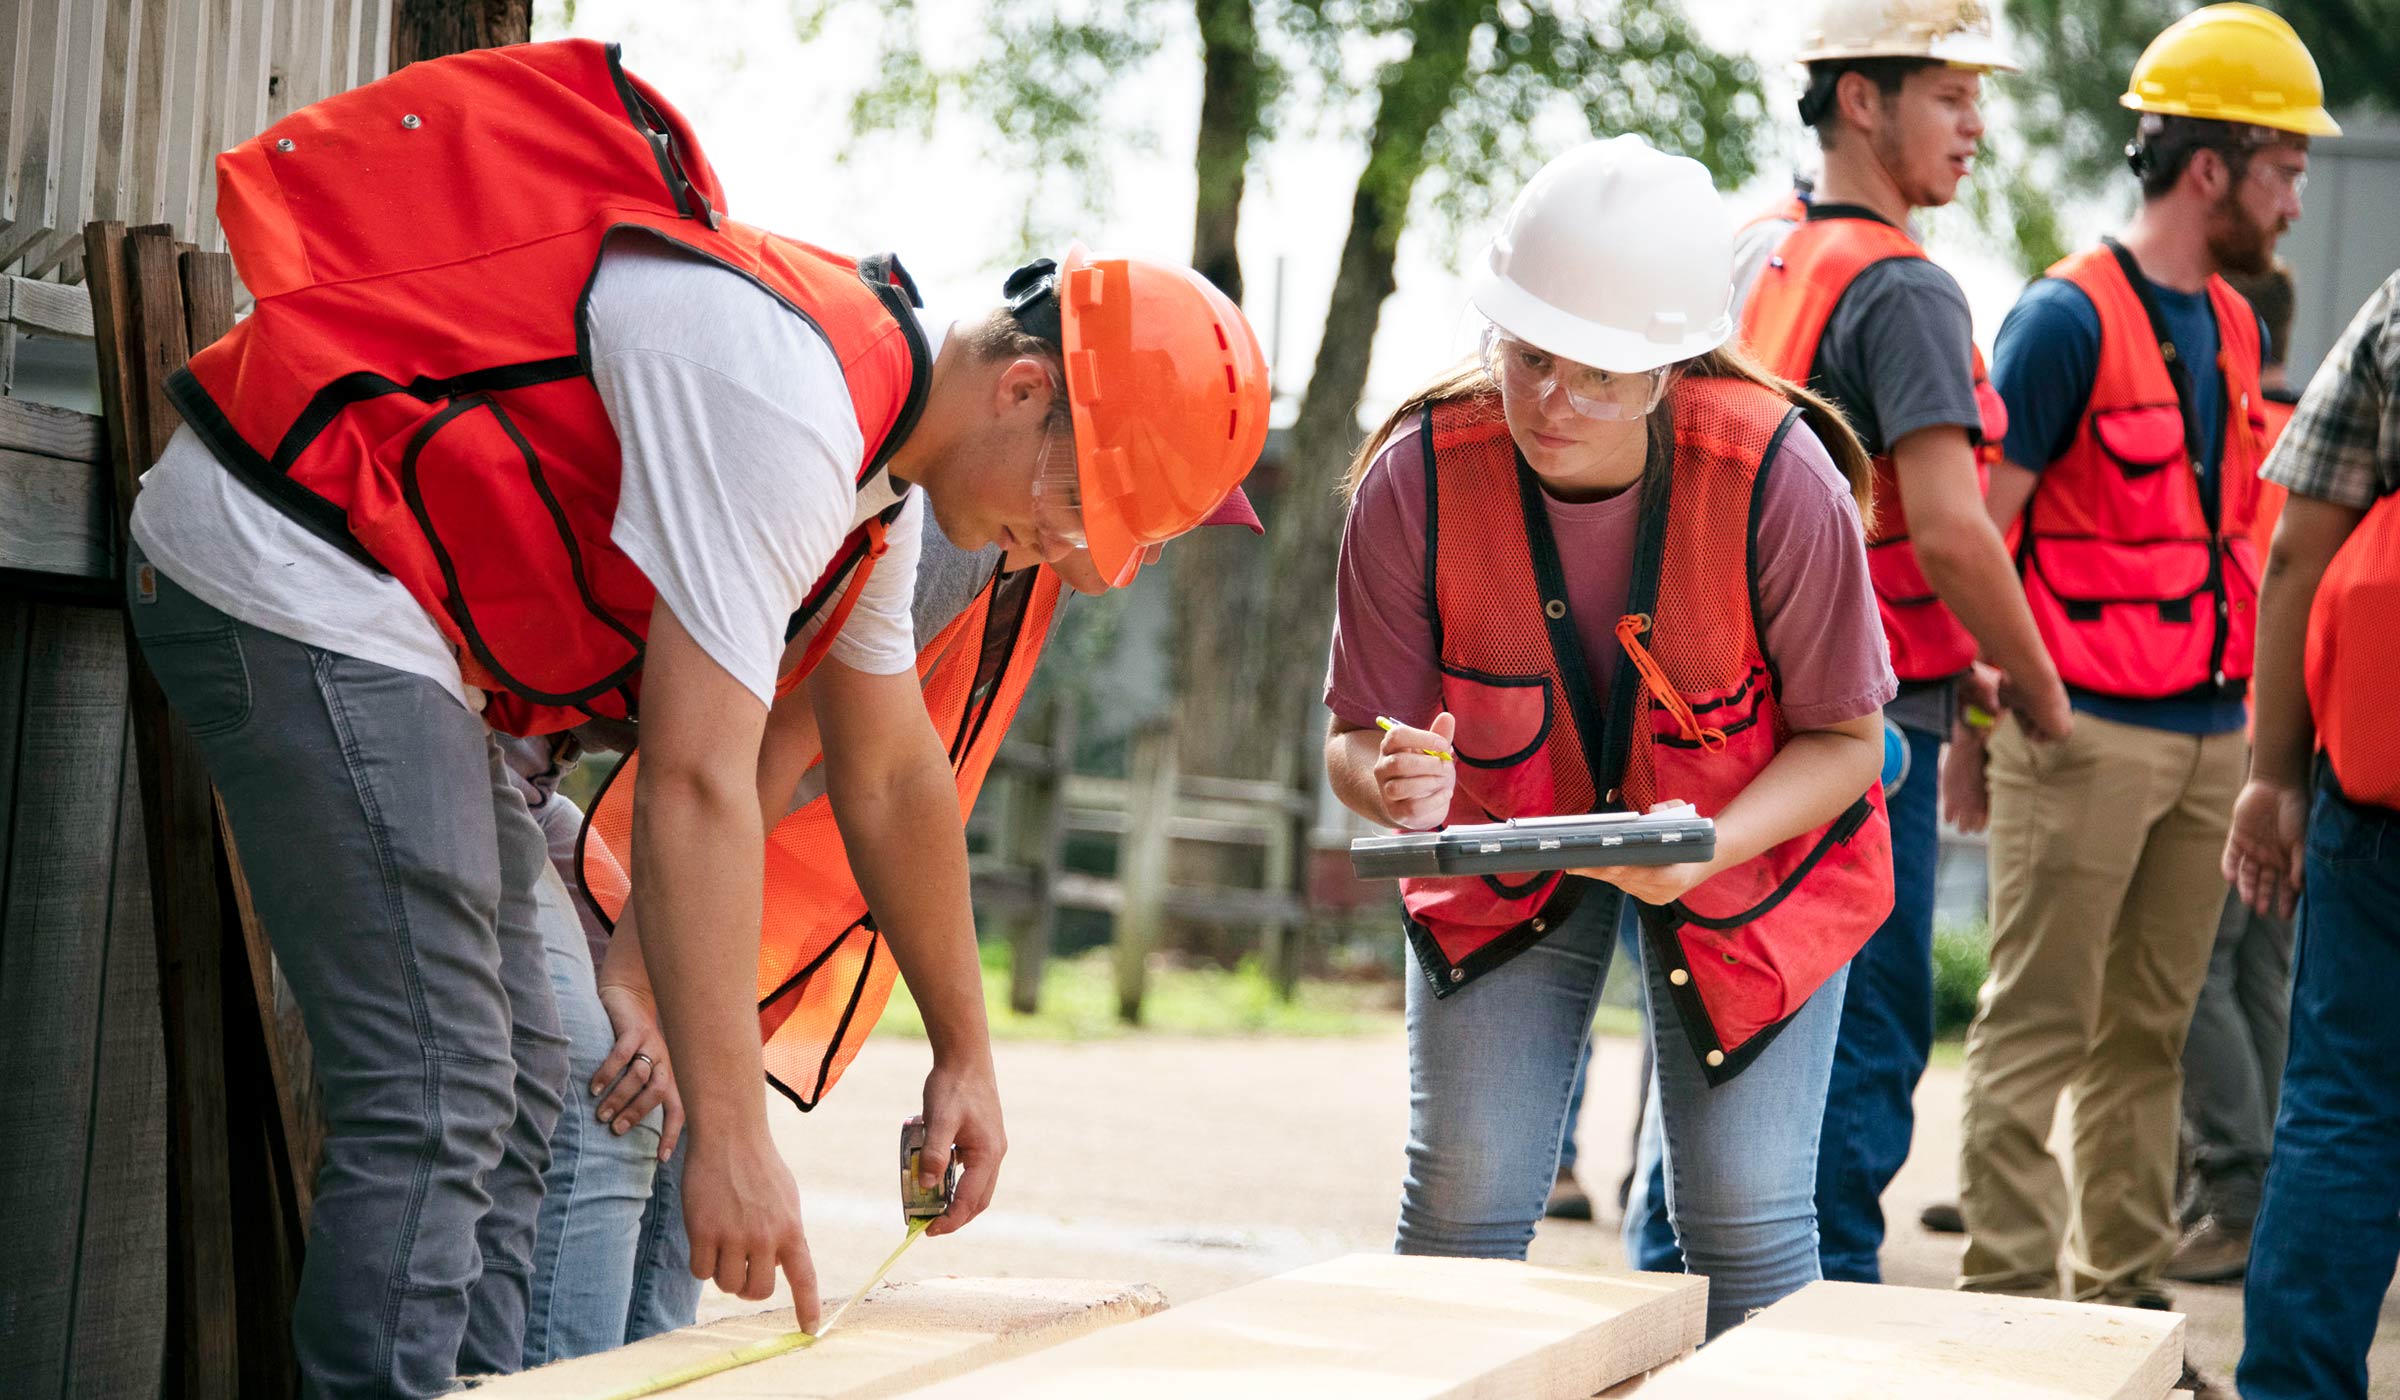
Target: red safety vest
1694, 716
824, 973
414, 383
2353, 659
2276, 415
2142, 587
1782, 322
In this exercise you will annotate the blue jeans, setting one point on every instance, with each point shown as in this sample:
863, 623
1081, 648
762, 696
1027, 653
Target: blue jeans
1887, 1033
395, 869
1490, 1071
599, 1182
2328, 1235
611, 1262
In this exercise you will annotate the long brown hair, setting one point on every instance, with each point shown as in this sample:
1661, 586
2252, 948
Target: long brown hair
1468, 379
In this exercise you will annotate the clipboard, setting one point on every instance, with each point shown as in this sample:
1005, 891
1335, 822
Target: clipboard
1528, 844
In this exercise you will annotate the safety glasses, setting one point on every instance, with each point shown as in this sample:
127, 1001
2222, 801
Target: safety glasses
1057, 497
1529, 375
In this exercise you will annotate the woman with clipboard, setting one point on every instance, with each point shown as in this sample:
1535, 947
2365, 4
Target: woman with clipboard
1610, 564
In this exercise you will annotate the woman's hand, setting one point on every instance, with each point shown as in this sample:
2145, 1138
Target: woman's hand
1414, 785
636, 1077
1653, 884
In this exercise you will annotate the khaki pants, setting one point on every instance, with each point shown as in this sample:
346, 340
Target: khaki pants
2105, 896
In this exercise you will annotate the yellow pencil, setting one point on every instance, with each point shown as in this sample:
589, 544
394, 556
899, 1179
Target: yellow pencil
1388, 725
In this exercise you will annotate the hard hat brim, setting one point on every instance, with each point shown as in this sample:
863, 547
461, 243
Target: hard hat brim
1619, 351
1984, 53
2305, 121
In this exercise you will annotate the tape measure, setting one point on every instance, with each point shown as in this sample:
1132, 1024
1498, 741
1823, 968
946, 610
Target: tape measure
773, 1347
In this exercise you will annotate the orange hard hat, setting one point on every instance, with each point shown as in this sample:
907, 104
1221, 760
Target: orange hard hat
1168, 389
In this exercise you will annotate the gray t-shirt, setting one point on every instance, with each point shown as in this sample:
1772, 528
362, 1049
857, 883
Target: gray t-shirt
1897, 356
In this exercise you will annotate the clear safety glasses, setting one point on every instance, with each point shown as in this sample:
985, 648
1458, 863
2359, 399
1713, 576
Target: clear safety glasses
1528, 375
1058, 494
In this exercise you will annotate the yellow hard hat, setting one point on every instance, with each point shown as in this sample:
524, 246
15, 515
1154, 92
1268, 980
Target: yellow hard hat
2232, 63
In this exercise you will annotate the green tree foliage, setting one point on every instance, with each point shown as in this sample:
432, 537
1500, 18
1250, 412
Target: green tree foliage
2064, 133
1453, 103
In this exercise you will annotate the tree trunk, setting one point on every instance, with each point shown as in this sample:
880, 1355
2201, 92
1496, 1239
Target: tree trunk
435, 28
1217, 598
1414, 96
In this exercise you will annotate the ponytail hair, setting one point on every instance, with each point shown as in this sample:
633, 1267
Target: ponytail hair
1731, 361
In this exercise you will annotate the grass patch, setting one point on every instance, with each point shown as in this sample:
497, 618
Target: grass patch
1079, 1002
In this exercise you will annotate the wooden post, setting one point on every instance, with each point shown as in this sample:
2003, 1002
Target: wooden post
1142, 862
137, 306
1038, 830
1298, 827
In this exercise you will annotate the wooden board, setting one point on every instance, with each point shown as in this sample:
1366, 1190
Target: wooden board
1863, 1342
1376, 1327
900, 1337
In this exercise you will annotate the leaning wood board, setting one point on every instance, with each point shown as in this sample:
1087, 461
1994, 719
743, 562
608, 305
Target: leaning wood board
1862, 1342
899, 1337
1375, 1327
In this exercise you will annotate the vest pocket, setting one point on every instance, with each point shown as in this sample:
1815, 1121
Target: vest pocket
1502, 739
2141, 440
511, 565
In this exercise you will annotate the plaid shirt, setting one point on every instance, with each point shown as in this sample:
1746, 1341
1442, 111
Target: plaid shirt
2343, 443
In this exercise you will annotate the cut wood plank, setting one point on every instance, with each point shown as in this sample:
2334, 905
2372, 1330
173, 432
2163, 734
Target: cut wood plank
50, 307
1376, 1327
1864, 1342
900, 1337
54, 517
53, 432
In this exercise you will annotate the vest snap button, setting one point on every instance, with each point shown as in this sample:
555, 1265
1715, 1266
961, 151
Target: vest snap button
1715, 1058
1731, 958
1679, 977
1541, 926
410, 121
1555, 608
284, 145
1458, 974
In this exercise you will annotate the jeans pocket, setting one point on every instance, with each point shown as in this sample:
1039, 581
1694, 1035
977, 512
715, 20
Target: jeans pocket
2342, 833
204, 675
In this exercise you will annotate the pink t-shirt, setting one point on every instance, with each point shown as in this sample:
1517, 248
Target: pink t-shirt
1822, 632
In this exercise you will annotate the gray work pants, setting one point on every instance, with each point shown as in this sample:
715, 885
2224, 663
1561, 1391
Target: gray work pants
394, 867
2233, 1063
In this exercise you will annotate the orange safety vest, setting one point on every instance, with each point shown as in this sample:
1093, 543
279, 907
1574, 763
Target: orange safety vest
415, 386
2275, 415
2353, 658
1782, 322
1695, 716
824, 973
2143, 587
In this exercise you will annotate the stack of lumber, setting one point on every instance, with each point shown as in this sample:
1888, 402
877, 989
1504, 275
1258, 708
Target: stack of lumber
1383, 1327
898, 1338
1868, 1342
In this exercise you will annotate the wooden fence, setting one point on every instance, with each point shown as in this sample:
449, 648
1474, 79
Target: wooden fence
1034, 803
116, 109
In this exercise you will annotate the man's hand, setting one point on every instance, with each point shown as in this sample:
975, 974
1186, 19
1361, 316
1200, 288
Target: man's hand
2264, 850
2040, 705
1966, 786
962, 1109
742, 1211
1415, 786
637, 1076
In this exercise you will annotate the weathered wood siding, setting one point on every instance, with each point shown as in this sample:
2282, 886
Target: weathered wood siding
83, 1170
116, 109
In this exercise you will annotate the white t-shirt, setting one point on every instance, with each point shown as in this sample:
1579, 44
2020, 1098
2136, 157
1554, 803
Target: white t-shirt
741, 456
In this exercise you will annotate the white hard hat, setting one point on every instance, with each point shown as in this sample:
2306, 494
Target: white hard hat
1615, 256
1956, 32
